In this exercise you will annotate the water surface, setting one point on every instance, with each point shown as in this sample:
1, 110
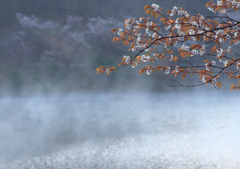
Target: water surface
120, 131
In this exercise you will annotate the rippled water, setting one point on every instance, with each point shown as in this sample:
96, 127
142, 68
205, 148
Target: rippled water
120, 131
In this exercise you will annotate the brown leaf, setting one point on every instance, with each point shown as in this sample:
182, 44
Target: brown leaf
183, 76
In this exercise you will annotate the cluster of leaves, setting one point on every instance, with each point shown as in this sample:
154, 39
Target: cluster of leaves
207, 34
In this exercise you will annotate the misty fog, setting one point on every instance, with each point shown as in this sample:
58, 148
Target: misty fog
120, 131
57, 113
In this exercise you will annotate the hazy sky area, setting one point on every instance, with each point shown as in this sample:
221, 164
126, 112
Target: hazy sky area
57, 113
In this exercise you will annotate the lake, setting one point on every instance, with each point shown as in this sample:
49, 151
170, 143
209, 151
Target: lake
120, 131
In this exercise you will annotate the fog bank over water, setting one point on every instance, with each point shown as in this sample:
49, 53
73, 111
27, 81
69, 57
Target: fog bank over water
151, 130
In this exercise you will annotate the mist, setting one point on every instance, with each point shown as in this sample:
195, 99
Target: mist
120, 131
57, 113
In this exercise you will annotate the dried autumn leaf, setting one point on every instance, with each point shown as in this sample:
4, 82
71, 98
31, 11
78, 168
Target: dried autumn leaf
183, 76
147, 6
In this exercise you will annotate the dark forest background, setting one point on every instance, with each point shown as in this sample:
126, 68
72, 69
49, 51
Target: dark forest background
57, 10
48, 45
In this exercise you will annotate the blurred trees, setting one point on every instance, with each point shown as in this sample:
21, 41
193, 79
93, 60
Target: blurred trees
56, 43
58, 9
54, 54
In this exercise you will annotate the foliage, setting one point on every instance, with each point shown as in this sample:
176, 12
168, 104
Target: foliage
209, 39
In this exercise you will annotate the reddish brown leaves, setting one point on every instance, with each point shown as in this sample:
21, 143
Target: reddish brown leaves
144, 38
